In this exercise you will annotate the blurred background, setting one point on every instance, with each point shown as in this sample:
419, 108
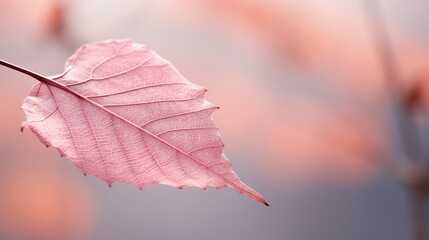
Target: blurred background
324, 111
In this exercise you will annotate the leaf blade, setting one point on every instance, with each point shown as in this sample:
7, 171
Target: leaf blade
141, 102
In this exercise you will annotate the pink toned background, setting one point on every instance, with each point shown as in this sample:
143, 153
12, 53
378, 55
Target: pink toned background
304, 116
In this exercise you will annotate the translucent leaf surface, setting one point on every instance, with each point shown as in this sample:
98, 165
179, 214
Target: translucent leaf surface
124, 114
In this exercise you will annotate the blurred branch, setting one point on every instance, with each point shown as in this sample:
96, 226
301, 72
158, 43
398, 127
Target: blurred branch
408, 173
408, 129
414, 177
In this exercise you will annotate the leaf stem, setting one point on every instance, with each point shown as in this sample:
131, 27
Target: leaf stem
32, 74
37, 76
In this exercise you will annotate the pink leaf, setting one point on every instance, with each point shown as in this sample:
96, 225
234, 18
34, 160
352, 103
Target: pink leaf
124, 114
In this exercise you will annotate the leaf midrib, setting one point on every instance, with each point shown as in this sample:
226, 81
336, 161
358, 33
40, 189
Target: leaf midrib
71, 91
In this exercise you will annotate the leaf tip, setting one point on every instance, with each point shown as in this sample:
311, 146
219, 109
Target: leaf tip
262, 200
